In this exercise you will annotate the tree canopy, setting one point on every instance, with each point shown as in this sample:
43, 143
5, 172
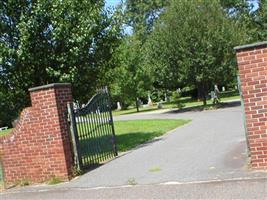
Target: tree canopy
195, 49
54, 41
171, 44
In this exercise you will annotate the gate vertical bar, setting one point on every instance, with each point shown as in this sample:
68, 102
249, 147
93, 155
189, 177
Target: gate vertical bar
74, 136
111, 122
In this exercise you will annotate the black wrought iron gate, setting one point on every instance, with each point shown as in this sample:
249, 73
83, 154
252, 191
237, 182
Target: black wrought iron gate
92, 131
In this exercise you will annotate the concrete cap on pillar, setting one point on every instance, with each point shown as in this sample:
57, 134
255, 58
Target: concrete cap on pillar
52, 85
250, 46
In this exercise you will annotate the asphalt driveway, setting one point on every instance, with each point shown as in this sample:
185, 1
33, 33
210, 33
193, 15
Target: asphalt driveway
210, 148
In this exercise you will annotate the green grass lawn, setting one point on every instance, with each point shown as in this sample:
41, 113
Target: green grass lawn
186, 101
132, 133
129, 134
133, 110
5, 132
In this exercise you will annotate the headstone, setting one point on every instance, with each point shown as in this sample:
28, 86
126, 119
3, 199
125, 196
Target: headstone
149, 101
160, 106
236, 87
118, 106
178, 90
75, 105
212, 94
223, 89
140, 103
168, 99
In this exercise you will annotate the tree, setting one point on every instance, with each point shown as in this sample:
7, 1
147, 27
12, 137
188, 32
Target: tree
193, 44
54, 41
131, 79
141, 15
261, 21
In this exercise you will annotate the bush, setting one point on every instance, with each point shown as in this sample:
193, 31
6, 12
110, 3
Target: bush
189, 91
176, 99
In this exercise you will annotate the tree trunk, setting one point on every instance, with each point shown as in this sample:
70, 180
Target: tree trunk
137, 104
204, 100
202, 92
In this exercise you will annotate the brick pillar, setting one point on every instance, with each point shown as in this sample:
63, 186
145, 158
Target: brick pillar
39, 148
252, 64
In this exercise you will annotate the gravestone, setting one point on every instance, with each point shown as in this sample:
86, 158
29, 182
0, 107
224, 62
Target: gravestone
150, 103
160, 105
118, 106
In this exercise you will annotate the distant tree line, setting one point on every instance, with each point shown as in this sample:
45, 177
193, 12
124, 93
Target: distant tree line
183, 44
139, 47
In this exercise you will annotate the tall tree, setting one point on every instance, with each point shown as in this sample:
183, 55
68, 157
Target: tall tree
193, 44
54, 41
261, 21
141, 15
131, 78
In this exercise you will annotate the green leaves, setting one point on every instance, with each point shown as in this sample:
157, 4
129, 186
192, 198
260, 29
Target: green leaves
55, 41
192, 44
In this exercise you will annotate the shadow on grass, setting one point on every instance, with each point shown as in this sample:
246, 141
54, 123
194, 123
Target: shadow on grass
125, 142
200, 108
103, 145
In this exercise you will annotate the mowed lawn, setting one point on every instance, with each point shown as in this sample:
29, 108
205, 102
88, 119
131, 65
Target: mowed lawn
187, 102
5, 132
131, 133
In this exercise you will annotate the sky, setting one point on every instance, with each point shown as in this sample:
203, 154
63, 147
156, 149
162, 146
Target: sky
112, 2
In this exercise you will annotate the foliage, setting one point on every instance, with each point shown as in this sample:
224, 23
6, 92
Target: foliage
53, 41
154, 169
176, 99
196, 49
185, 44
54, 180
131, 78
183, 102
131, 181
141, 15
5, 132
261, 21
23, 182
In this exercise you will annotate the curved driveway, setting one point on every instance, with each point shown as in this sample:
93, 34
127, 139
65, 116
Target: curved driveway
210, 150
211, 147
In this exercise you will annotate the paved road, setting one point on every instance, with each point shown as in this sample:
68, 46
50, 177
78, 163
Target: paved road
210, 148
245, 189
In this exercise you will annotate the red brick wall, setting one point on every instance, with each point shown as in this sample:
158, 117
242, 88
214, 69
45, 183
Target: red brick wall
252, 64
39, 147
